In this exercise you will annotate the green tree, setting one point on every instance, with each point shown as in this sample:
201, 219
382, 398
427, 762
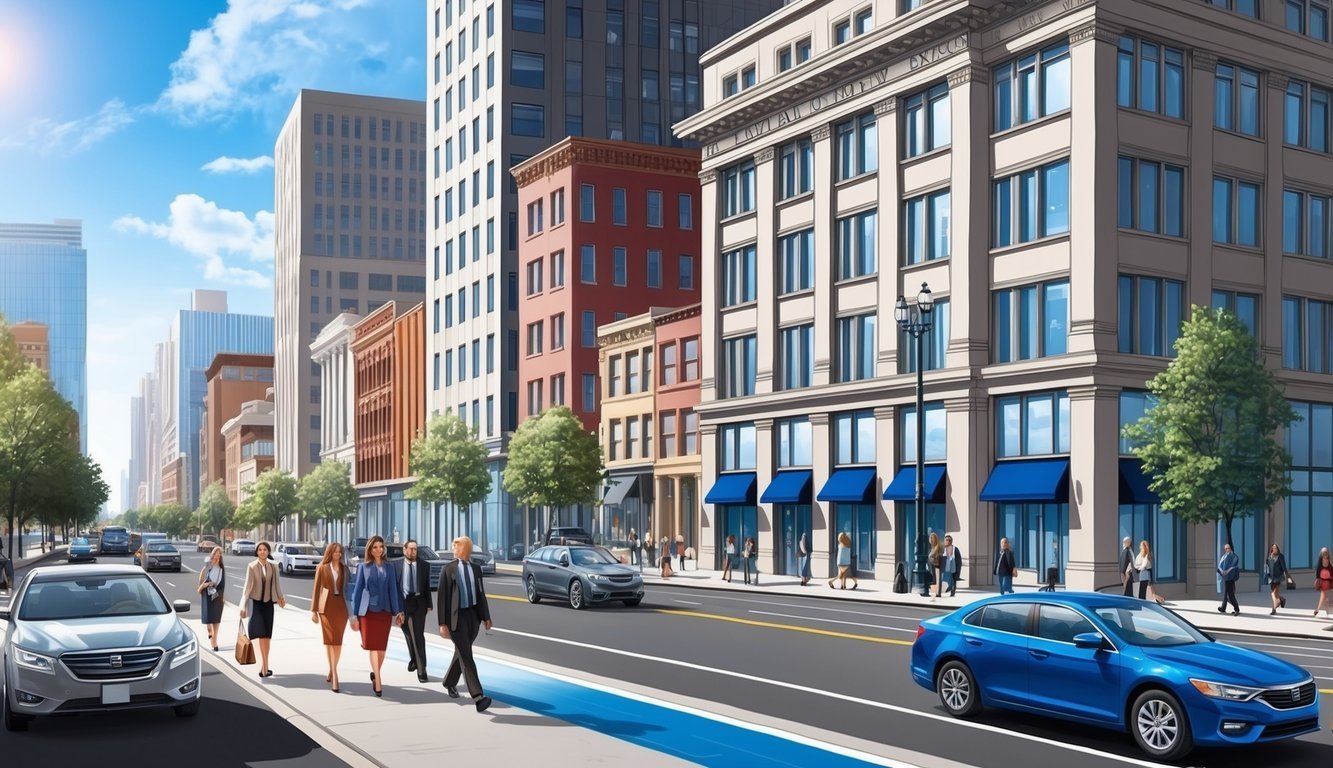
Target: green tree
129, 518
70, 490
36, 430
148, 519
449, 464
553, 461
273, 496
327, 493
215, 509
1209, 444
173, 519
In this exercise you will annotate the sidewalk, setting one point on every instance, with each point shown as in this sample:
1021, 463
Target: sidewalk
1296, 620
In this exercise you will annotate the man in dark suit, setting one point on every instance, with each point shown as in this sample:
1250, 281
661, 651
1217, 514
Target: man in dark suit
1127, 573
953, 564
1004, 567
463, 610
413, 577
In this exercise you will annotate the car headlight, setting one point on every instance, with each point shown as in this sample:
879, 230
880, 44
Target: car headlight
34, 661
594, 577
1225, 691
184, 653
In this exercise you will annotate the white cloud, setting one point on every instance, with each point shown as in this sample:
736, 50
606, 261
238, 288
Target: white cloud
203, 229
49, 137
226, 164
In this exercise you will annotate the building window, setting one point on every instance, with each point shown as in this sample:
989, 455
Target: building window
619, 267
798, 356
1151, 311
654, 208
1307, 17
936, 433
796, 53
739, 276
854, 436
856, 347
1032, 425
1306, 118
529, 16
795, 442
535, 398
1031, 321
1305, 224
1245, 306
588, 264
587, 203
857, 145
796, 168
926, 228
527, 70
685, 211
589, 403
535, 335
686, 266
666, 433
798, 261
1039, 533
856, 245
557, 337
1151, 196
689, 432
738, 366
618, 207
689, 359
669, 364
1032, 86
933, 344
736, 446
613, 376
1236, 211
738, 195
527, 120
1236, 99
588, 328
1032, 204
1309, 441
1246, 7
557, 200
926, 121
748, 77
535, 274
654, 269
535, 218
1150, 77
1307, 335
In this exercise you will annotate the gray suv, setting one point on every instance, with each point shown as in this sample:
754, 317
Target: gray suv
580, 575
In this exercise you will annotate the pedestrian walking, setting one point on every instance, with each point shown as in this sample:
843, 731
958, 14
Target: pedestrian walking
1275, 573
1004, 568
803, 549
664, 548
1128, 576
728, 555
376, 603
1323, 580
680, 550
635, 556
463, 611
936, 565
262, 590
844, 562
1143, 565
648, 544
953, 564
212, 583
1228, 572
750, 557
328, 606
413, 577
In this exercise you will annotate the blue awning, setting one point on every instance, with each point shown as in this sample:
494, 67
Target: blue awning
789, 488
1028, 480
903, 487
735, 488
851, 485
1134, 484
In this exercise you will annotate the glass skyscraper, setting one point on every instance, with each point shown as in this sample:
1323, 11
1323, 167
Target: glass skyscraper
44, 279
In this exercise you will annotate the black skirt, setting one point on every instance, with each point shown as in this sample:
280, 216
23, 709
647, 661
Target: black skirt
261, 620
210, 609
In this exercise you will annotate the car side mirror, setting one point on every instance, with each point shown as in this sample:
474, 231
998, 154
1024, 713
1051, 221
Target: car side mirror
1088, 640
564, 561
180, 606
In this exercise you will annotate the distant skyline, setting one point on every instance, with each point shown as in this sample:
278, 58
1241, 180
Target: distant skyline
153, 122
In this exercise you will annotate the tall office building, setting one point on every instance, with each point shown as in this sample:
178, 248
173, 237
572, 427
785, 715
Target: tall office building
350, 209
44, 279
506, 80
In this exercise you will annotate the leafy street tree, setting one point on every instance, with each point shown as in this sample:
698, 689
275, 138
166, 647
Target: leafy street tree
129, 518
273, 496
71, 492
553, 462
215, 509
327, 493
148, 520
173, 519
449, 464
1209, 444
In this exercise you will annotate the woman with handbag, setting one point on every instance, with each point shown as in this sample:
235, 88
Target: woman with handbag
1323, 580
328, 606
1143, 565
1275, 569
728, 555
212, 582
750, 558
844, 562
936, 565
262, 589
377, 603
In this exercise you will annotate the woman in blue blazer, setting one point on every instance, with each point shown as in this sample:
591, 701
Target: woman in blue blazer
376, 602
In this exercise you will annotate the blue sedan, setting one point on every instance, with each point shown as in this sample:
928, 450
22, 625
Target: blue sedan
81, 551
1114, 662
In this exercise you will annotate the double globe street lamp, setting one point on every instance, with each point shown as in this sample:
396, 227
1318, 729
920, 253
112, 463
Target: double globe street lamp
916, 320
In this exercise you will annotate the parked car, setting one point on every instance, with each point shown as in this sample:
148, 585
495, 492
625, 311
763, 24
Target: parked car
206, 543
160, 556
88, 638
115, 541
243, 547
296, 558
1115, 662
81, 550
580, 574
568, 534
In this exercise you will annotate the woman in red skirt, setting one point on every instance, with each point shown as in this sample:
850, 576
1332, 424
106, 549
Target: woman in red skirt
376, 604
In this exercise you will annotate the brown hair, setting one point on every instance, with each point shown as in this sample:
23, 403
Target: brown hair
329, 558
844, 539
366, 558
265, 545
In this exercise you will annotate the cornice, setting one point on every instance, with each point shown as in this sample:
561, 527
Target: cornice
608, 154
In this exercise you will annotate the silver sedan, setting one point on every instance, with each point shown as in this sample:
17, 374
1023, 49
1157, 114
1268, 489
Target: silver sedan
88, 638
580, 574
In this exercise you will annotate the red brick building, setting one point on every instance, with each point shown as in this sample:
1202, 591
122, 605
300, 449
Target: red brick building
606, 230
389, 352
230, 381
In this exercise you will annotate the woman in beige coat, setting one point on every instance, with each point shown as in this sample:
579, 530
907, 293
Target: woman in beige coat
262, 589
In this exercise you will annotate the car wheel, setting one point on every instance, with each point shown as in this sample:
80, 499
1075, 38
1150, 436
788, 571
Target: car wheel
533, 597
13, 721
576, 600
187, 710
634, 602
1159, 725
958, 690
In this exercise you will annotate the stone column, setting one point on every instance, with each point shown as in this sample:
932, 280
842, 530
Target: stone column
766, 277
707, 476
886, 465
1094, 488
710, 331
822, 543
826, 268
969, 237
766, 537
888, 260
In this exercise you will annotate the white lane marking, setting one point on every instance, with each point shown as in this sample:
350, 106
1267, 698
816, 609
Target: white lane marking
688, 602
1256, 644
818, 608
169, 584
839, 696
834, 621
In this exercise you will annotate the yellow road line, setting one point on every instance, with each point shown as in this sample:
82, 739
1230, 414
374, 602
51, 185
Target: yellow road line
1326, 691
788, 627
510, 598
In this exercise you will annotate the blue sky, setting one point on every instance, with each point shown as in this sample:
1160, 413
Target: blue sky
153, 121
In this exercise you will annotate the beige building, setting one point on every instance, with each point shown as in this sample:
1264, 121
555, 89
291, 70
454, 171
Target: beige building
1068, 177
247, 438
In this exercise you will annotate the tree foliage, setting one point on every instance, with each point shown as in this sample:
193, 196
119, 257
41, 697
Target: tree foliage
273, 496
1209, 444
215, 509
327, 493
173, 518
449, 464
553, 461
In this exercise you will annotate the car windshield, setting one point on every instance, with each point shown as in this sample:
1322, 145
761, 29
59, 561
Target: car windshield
80, 542
160, 546
592, 556
1148, 624
83, 598
301, 549
426, 553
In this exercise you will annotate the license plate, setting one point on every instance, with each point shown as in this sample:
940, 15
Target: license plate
116, 694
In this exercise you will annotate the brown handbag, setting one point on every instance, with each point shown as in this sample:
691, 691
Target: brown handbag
245, 652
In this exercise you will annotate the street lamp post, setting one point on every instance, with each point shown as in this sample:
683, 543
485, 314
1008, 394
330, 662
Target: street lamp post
915, 319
